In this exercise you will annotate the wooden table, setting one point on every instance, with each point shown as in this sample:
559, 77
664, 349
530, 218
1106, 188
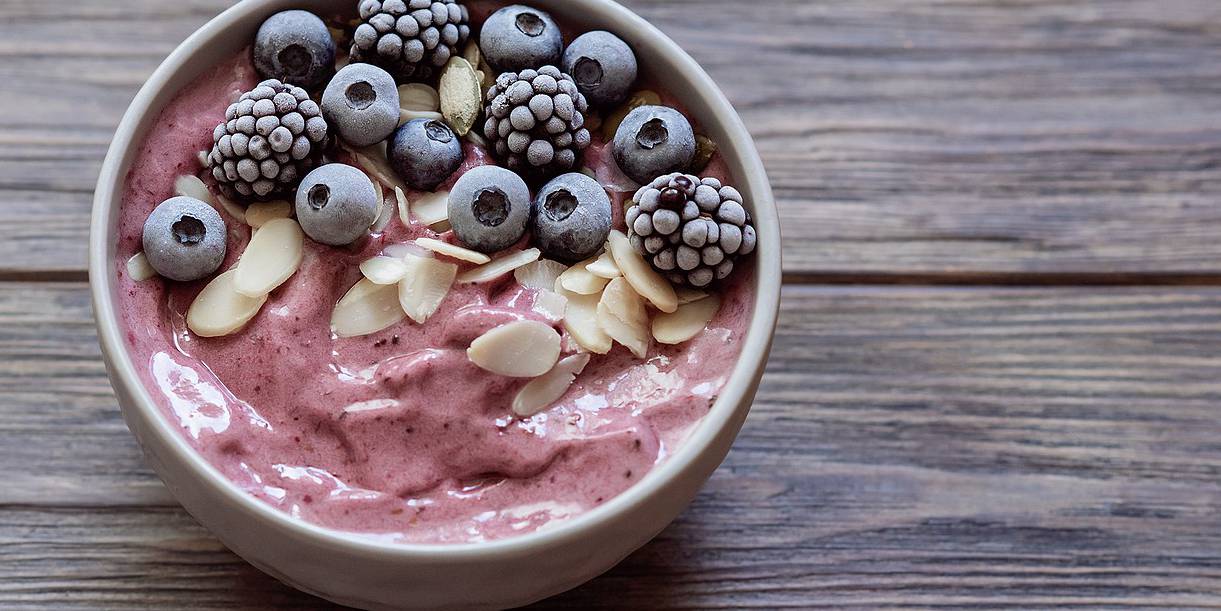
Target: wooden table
996, 380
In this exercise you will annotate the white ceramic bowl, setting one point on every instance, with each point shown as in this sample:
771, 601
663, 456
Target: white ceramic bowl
503, 573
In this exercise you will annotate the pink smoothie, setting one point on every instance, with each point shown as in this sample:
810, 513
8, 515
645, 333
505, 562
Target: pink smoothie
431, 453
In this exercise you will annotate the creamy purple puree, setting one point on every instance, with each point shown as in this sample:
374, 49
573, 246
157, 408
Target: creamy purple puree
396, 435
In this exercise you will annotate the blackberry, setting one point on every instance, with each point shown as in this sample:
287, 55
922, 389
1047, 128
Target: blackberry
536, 122
692, 230
272, 137
411, 39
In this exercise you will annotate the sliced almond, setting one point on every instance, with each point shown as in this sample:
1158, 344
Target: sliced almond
373, 161
419, 97
540, 274
478, 140
453, 250
604, 267
425, 286
139, 269
202, 158
522, 349
404, 206
550, 304
189, 185
687, 322
622, 316
581, 321
384, 213
499, 267
272, 256
544, 390
431, 208
411, 115
579, 280
472, 54
220, 310
461, 100
366, 308
384, 270
647, 283
233, 210
258, 213
405, 249
687, 294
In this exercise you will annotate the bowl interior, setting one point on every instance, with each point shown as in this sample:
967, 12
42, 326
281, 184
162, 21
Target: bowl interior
661, 61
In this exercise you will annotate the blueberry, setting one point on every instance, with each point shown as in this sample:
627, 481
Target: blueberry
184, 239
424, 152
295, 47
518, 37
654, 140
603, 66
489, 207
336, 204
362, 104
572, 217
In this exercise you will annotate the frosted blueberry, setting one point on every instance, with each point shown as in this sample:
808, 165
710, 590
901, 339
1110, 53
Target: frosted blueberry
362, 104
336, 204
294, 47
424, 152
489, 207
520, 37
603, 66
572, 217
653, 140
184, 239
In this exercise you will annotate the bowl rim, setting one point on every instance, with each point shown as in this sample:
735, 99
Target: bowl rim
732, 404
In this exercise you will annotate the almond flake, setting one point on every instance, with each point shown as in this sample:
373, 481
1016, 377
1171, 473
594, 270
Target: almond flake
139, 269
499, 267
522, 349
453, 250
460, 90
425, 286
604, 267
384, 212
579, 280
403, 250
411, 115
258, 213
647, 283
545, 390
540, 274
373, 161
220, 310
370, 406
366, 308
404, 206
419, 97
202, 158
384, 270
472, 54
431, 208
622, 316
272, 256
687, 294
550, 304
687, 322
581, 321
189, 185
233, 210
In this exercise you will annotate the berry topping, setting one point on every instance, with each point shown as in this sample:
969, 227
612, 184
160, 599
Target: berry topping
653, 140
572, 217
362, 103
488, 208
535, 121
603, 66
184, 239
336, 204
411, 39
690, 229
425, 152
295, 47
271, 137
518, 37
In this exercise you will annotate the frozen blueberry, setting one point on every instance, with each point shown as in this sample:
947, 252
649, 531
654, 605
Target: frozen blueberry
572, 217
654, 140
424, 152
295, 47
603, 66
362, 104
489, 207
184, 239
336, 204
518, 37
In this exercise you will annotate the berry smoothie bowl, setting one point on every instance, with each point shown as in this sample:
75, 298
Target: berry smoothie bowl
433, 303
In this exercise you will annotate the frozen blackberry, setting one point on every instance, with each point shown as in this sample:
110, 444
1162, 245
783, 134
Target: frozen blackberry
411, 39
536, 122
692, 230
272, 137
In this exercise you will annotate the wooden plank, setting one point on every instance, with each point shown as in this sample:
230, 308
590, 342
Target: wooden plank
909, 446
951, 140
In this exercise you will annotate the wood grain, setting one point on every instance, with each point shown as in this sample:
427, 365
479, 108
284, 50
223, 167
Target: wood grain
951, 140
909, 447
